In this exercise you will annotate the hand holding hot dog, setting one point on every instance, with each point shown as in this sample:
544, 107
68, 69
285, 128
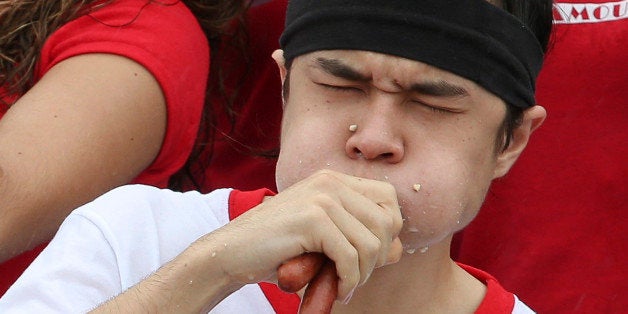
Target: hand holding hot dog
353, 221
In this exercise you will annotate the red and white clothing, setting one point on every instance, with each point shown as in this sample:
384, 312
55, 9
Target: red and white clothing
110, 244
554, 228
167, 40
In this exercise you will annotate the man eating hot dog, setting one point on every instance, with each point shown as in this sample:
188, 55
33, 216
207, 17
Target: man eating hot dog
398, 115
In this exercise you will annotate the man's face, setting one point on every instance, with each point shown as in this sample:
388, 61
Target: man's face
428, 132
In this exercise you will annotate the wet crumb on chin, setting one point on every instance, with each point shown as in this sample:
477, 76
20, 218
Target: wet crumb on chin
416, 187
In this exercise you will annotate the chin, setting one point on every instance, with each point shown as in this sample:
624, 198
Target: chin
423, 229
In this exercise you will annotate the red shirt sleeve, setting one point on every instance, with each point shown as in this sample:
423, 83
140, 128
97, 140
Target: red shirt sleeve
167, 40
497, 299
239, 203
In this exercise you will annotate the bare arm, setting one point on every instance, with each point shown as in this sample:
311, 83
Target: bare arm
353, 221
93, 122
191, 283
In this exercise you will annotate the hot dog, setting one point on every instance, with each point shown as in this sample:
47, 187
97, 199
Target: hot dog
294, 274
320, 272
321, 292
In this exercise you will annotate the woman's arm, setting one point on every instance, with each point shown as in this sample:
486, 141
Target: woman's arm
93, 122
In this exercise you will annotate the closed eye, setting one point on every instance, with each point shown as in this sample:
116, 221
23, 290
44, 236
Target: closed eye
340, 88
436, 109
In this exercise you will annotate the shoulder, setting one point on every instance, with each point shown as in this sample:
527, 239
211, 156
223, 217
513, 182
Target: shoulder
165, 38
130, 28
134, 198
497, 299
141, 220
132, 208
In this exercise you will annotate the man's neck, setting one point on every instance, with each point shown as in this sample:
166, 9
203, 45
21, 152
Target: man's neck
427, 282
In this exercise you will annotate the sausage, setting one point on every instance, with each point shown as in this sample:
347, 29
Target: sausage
320, 272
294, 274
322, 291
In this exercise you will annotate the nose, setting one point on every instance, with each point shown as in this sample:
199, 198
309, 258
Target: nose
377, 136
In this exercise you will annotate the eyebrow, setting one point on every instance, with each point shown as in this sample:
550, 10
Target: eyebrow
337, 68
440, 88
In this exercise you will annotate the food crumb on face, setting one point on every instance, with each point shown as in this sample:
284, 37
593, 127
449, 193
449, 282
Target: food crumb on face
416, 187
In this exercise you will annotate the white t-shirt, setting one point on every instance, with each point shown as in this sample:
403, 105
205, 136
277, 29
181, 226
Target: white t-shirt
130, 232
126, 234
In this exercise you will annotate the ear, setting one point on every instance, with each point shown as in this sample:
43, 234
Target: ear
281, 63
531, 120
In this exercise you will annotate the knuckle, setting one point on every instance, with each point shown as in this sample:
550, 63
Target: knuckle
353, 256
387, 223
372, 247
388, 188
384, 226
323, 180
317, 215
324, 175
324, 202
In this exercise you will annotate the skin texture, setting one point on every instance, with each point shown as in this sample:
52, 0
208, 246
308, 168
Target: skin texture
93, 122
402, 136
340, 190
402, 130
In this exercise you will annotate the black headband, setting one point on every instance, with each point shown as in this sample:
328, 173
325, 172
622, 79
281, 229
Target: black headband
470, 38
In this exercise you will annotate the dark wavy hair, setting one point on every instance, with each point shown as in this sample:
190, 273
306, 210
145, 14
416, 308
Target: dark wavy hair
26, 24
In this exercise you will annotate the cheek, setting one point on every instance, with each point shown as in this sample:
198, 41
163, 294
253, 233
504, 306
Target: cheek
293, 166
441, 198
313, 136
306, 146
